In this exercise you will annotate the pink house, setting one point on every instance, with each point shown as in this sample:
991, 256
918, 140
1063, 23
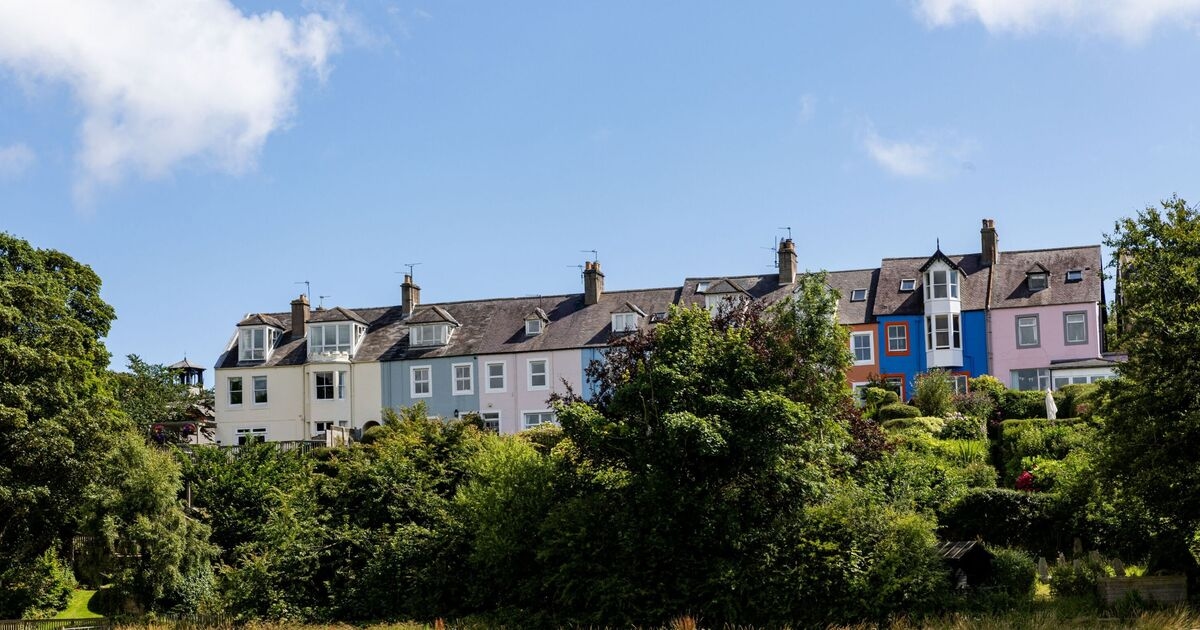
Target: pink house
1046, 318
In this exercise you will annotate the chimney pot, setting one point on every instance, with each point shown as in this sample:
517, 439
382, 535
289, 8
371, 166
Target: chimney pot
410, 295
593, 283
989, 250
300, 315
787, 261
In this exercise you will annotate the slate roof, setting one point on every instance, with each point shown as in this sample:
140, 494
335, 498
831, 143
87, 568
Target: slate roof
184, 365
972, 284
1009, 289
335, 314
263, 319
491, 326
767, 288
432, 314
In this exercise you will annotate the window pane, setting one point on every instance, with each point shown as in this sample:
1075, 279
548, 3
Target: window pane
260, 389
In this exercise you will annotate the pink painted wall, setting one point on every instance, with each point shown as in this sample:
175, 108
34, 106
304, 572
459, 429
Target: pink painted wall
1006, 356
517, 398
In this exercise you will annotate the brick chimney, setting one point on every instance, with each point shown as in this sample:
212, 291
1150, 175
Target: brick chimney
593, 283
989, 247
787, 261
300, 316
410, 295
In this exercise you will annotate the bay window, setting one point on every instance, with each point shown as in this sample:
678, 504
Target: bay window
943, 332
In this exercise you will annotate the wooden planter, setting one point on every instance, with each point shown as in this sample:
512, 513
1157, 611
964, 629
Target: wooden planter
1161, 589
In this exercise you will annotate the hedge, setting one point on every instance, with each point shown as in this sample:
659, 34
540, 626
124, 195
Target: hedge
1010, 518
897, 410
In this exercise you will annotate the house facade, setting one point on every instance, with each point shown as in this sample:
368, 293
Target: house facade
1032, 318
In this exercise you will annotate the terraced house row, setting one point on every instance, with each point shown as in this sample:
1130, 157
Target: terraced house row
1033, 318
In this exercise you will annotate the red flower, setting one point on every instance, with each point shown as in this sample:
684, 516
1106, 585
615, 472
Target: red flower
1025, 481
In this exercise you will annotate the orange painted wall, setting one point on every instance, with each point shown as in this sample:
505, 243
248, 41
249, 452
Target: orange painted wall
859, 373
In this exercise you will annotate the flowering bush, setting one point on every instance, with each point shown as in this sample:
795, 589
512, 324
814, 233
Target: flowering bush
1025, 481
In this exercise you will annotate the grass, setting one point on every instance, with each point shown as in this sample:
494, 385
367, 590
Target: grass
1037, 619
78, 608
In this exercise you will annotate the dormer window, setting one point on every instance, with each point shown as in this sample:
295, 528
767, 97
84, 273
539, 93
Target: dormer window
858, 295
533, 327
908, 284
429, 335
1037, 281
941, 283
624, 322
256, 343
1075, 275
332, 338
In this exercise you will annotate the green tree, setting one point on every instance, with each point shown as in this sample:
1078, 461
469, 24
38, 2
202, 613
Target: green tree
57, 419
1151, 435
151, 393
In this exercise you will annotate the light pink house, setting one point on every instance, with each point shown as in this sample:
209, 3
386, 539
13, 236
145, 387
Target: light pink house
1046, 321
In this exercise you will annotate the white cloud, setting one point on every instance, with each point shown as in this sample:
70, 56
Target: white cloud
164, 82
1130, 19
925, 158
15, 159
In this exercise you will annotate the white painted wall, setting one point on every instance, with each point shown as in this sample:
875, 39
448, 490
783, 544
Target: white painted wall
282, 415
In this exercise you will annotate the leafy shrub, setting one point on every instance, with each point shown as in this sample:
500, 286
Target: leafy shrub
962, 452
1078, 577
934, 394
925, 423
1006, 517
1029, 444
875, 398
1073, 400
897, 410
988, 384
374, 434
1013, 572
975, 404
963, 427
1022, 404
976, 475
37, 589
910, 480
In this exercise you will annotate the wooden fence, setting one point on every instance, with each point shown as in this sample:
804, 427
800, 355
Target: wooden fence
56, 624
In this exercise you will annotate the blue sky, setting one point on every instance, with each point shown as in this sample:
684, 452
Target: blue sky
205, 161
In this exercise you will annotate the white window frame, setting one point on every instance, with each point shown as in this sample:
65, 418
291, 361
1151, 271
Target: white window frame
329, 424
489, 417
331, 386
545, 374
870, 347
1043, 378
487, 371
427, 381
429, 335
908, 284
887, 329
241, 391
256, 434
455, 379
342, 377
858, 295
1074, 275
253, 344
343, 339
1036, 328
254, 380
624, 322
533, 327
1083, 326
541, 413
953, 330
949, 285
1043, 281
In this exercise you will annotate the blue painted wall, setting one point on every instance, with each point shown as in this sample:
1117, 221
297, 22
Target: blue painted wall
974, 331
587, 355
913, 364
975, 342
397, 391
